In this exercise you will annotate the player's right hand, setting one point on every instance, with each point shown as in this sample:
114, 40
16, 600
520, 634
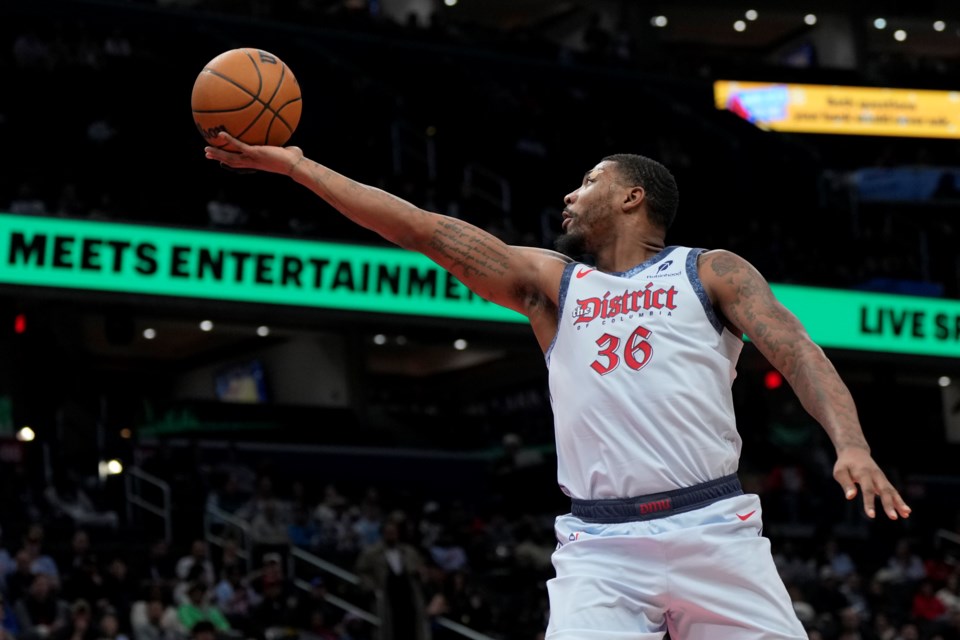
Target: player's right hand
239, 155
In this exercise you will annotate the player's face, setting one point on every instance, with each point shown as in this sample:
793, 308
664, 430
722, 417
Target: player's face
587, 212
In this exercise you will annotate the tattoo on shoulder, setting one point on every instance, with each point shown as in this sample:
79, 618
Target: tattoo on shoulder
469, 249
723, 264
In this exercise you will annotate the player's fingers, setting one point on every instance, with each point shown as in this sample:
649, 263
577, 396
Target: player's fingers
843, 476
232, 142
892, 503
869, 492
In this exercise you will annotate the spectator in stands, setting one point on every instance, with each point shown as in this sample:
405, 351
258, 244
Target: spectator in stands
904, 565
197, 608
268, 529
316, 601
9, 627
792, 565
882, 628
203, 630
926, 606
198, 557
466, 604
79, 626
109, 627
7, 563
40, 612
949, 594
85, 582
159, 566
838, 560
801, 606
852, 625
119, 589
229, 496
367, 526
448, 554
303, 531
234, 597
390, 571
826, 596
230, 557
77, 554
277, 599
234, 467
27, 202
18, 582
853, 591
40, 562
224, 214
153, 619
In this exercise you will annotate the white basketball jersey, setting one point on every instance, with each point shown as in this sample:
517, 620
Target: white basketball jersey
640, 375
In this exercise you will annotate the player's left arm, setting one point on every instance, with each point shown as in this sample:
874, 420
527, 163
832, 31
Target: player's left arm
742, 294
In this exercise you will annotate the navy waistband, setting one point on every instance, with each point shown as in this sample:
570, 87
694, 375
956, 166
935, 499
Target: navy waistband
657, 505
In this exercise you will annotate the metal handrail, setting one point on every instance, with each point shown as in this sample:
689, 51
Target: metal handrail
946, 535
354, 579
342, 604
134, 499
213, 512
329, 567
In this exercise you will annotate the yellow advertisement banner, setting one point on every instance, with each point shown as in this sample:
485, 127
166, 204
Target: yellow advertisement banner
810, 108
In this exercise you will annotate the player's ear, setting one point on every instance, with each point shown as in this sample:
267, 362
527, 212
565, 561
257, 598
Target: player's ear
634, 198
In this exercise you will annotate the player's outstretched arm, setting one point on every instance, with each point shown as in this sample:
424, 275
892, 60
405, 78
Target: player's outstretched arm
745, 298
514, 277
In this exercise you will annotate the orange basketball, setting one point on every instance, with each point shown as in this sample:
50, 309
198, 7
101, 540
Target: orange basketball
249, 93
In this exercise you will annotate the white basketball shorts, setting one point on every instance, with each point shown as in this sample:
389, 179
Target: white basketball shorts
705, 574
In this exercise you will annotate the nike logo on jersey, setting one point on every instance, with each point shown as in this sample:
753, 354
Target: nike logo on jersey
745, 516
582, 272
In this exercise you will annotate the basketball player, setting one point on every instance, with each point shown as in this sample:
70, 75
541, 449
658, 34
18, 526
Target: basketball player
641, 349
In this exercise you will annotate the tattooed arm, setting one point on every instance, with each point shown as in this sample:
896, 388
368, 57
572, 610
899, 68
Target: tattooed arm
745, 299
522, 279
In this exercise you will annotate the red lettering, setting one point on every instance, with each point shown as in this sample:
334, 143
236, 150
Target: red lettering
637, 344
655, 506
636, 353
608, 345
588, 310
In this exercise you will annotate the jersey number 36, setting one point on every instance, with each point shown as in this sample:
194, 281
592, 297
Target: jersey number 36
636, 351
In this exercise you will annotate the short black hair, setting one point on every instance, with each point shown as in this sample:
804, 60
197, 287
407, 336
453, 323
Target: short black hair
659, 184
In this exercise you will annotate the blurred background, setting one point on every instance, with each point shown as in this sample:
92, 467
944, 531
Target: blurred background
246, 464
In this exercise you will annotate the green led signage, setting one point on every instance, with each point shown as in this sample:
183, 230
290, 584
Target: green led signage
100, 256
125, 258
876, 321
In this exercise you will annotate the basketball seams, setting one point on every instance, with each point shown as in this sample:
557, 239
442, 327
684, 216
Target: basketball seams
261, 124
229, 80
276, 112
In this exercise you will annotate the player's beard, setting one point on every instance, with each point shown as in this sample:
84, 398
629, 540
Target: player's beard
571, 243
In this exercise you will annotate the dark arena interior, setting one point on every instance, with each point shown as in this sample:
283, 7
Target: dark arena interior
218, 393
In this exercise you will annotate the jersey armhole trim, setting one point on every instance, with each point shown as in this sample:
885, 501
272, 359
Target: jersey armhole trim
694, 276
561, 300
